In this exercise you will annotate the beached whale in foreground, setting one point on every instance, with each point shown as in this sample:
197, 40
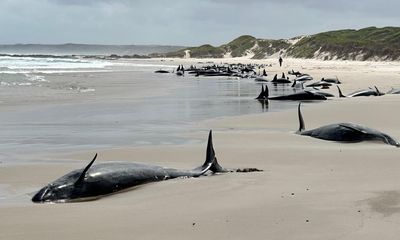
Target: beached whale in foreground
102, 179
345, 132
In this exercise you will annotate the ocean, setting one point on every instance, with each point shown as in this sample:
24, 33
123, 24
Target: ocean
50, 105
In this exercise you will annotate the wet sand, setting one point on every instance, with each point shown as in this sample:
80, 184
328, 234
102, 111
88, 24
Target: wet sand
310, 189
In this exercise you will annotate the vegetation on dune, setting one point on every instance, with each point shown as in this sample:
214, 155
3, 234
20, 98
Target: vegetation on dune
269, 47
383, 43
240, 45
206, 51
364, 44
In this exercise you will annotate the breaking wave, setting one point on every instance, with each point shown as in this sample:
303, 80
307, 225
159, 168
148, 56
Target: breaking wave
49, 65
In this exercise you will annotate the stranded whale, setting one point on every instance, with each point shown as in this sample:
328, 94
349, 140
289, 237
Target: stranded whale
281, 80
302, 95
362, 93
345, 132
102, 179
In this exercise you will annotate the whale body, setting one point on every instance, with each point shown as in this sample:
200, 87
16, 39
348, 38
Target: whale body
345, 132
103, 179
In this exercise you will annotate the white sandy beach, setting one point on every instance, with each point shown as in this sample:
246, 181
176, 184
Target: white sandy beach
309, 189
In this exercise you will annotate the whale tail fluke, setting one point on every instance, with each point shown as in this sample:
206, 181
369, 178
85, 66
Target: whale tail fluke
340, 92
302, 126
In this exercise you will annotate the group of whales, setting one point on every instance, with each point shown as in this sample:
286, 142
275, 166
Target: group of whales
341, 132
96, 181
312, 91
93, 182
238, 70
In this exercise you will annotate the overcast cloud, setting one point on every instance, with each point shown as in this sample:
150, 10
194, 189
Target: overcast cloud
183, 22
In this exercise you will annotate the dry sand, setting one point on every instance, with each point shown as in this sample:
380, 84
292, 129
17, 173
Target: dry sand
310, 189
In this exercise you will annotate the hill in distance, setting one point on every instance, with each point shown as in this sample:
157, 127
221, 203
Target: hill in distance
85, 49
377, 44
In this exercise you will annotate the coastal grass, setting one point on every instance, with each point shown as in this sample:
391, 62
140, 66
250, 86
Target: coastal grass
370, 43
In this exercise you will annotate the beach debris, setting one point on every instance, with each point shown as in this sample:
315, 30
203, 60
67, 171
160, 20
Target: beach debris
246, 170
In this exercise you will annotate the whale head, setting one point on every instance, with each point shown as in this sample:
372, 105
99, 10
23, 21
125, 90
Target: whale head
66, 188
55, 193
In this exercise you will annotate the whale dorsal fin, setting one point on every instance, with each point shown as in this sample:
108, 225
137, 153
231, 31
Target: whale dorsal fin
302, 126
261, 95
338, 81
275, 77
340, 92
211, 162
211, 158
82, 176
210, 155
378, 92
266, 92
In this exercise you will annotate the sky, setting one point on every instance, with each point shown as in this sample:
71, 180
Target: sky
183, 22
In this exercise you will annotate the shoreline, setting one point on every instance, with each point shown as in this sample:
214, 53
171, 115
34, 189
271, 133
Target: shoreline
317, 189
332, 185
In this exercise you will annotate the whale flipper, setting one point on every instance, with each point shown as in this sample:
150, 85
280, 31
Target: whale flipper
353, 128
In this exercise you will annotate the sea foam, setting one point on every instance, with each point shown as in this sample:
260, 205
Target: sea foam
49, 65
